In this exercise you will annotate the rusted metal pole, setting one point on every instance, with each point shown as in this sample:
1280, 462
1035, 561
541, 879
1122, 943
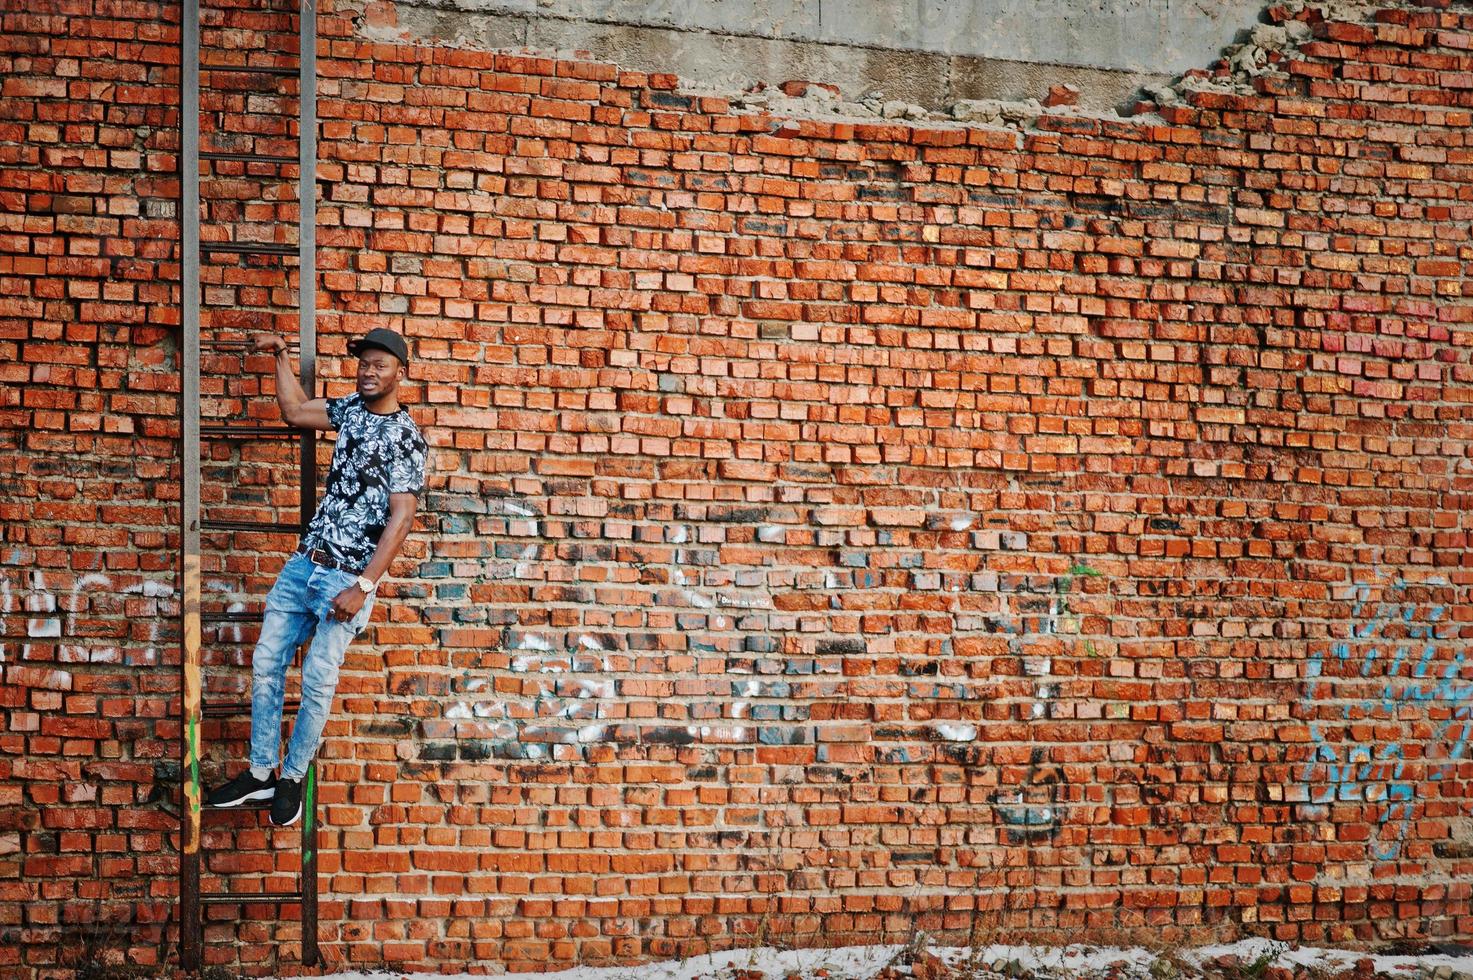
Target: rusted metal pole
307, 356
190, 926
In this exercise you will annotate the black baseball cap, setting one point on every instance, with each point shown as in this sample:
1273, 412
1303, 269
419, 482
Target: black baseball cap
383, 339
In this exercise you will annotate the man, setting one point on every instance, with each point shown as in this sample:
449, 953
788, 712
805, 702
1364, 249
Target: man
326, 588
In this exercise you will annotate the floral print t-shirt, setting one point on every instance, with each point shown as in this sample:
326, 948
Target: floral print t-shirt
375, 455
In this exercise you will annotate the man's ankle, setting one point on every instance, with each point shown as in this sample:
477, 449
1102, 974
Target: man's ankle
262, 773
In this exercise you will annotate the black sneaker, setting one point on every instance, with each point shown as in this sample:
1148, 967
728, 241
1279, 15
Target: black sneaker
286, 805
242, 789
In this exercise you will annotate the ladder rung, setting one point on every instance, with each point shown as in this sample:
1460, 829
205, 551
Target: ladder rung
264, 527
250, 431
225, 709
249, 899
231, 616
248, 248
240, 344
254, 70
249, 157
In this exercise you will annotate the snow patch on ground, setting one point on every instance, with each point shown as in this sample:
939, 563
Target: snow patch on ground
865, 962
1249, 950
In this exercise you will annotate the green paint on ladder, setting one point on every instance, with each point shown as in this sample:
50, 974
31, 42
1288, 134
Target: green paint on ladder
309, 817
194, 794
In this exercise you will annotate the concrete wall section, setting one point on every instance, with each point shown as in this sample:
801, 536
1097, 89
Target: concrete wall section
1131, 35
930, 54
1168, 36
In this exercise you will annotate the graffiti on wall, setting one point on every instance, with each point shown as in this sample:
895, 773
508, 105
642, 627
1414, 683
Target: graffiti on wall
560, 692
538, 689
1399, 661
51, 614
1035, 615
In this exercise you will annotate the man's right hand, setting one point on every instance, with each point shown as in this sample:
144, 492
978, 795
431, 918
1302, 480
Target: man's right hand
268, 343
296, 408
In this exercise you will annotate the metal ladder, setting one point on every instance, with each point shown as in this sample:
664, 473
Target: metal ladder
192, 521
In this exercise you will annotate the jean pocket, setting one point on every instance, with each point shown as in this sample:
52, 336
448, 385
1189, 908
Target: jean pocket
335, 581
288, 592
361, 620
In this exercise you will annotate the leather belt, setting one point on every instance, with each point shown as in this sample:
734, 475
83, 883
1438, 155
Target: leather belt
319, 557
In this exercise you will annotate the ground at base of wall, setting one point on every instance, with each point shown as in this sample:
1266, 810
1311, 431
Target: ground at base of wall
1250, 959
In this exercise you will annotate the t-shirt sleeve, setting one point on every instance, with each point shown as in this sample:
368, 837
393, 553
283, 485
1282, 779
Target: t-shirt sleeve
407, 472
338, 408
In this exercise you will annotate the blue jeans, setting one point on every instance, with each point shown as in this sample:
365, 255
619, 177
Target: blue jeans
298, 605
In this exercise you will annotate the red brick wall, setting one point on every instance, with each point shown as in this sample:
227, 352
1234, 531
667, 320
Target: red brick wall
834, 529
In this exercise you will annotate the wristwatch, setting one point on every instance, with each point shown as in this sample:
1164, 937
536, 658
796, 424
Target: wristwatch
367, 584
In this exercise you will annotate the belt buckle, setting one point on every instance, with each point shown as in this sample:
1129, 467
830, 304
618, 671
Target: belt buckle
320, 556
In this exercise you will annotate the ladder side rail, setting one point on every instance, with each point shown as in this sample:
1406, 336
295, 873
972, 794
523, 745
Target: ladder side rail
307, 362
190, 922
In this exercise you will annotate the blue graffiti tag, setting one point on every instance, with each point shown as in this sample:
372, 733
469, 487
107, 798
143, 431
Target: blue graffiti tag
1393, 640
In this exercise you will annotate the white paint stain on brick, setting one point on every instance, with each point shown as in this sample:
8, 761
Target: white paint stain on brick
743, 602
5, 609
590, 689
41, 601
718, 733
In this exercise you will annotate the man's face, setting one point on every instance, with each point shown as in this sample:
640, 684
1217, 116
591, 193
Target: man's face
378, 374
